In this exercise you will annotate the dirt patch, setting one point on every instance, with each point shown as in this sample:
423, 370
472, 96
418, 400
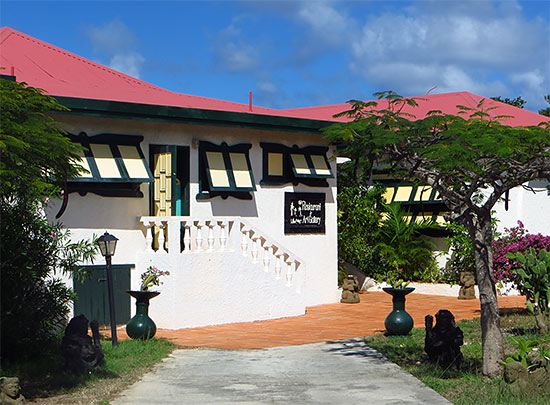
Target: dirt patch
100, 391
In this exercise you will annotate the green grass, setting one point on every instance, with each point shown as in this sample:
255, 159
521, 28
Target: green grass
45, 376
467, 386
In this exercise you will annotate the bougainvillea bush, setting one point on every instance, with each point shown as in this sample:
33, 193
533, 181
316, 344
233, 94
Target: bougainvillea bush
514, 240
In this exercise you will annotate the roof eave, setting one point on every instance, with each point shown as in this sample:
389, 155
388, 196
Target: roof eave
197, 116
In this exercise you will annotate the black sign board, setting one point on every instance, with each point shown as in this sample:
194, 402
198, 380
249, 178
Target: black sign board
304, 212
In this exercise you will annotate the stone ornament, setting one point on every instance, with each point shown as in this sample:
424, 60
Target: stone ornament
10, 391
80, 353
443, 341
350, 290
467, 283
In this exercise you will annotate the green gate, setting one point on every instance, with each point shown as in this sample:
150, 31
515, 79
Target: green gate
93, 295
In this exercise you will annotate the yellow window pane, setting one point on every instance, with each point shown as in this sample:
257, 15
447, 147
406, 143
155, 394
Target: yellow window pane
218, 173
240, 170
423, 193
275, 164
403, 193
388, 195
135, 166
320, 165
105, 161
407, 218
300, 164
440, 220
83, 162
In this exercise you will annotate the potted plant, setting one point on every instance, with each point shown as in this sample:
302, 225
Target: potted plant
410, 257
141, 326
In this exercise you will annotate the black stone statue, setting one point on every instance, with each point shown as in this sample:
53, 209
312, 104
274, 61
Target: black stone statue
443, 341
80, 353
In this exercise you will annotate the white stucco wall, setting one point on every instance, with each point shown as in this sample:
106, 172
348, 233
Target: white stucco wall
533, 209
93, 214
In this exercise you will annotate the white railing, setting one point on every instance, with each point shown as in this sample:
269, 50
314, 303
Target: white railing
188, 235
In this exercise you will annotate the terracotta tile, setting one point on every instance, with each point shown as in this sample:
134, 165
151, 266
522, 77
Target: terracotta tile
323, 323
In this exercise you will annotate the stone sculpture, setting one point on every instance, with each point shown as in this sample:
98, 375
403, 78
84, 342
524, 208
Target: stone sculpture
350, 290
467, 283
10, 391
443, 341
80, 353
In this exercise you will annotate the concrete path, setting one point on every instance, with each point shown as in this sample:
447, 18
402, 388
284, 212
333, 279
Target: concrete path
338, 372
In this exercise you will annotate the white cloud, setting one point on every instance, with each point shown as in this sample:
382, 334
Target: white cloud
116, 41
129, 63
232, 53
455, 47
326, 23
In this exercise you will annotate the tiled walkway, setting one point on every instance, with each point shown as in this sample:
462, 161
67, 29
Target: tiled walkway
325, 322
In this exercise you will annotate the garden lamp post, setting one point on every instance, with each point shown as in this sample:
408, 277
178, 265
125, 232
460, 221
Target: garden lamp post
107, 245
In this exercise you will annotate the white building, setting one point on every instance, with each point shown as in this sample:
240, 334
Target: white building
238, 202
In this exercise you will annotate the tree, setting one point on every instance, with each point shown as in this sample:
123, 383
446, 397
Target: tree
516, 102
546, 111
35, 154
35, 159
471, 162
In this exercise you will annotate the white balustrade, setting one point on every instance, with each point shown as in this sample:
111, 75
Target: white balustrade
223, 235
268, 252
160, 224
198, 237
245, 234
256, 241
188, 235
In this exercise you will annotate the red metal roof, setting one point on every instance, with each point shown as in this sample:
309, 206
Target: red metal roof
62, 73
445, 102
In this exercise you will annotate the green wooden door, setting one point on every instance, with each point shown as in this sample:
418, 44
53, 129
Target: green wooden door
93, 295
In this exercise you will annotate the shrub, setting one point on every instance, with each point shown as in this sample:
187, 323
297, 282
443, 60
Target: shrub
402, 245
359, 214
462, 256
34, 302
534, 282
514, 240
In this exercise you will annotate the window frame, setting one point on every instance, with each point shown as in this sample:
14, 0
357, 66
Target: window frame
112, 140
123, 186
207, 189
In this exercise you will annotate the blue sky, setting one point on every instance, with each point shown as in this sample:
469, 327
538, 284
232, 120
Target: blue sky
304, 53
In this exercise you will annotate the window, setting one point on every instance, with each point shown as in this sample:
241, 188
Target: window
225, 171
114, 164
421, 202
283, 164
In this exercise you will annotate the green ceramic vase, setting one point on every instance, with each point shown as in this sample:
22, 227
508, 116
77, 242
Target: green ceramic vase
141, 326
398, 322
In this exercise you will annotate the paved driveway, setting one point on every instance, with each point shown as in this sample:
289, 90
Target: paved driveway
339, 372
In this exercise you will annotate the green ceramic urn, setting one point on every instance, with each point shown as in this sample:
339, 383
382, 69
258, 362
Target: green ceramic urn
398, 322
141, 326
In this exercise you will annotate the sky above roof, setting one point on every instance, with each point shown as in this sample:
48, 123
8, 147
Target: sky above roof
303, 53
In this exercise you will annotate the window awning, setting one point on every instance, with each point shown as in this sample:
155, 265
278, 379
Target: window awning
227, 168
284, 164
310, 165
111, 158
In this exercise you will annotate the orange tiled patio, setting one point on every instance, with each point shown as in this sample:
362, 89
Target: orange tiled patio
326, 322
